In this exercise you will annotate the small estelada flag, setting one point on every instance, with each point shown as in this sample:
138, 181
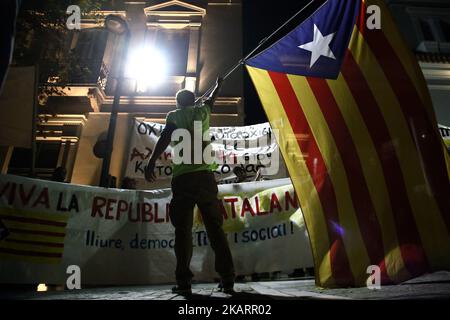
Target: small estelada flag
33, 237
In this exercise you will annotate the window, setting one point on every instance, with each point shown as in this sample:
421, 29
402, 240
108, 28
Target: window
91, 43
432, 26
89, 49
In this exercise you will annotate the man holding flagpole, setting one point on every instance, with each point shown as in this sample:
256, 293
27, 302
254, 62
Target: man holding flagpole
194, 184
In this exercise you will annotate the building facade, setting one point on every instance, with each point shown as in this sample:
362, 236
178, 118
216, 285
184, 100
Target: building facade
200, 40
426, 27
196, 40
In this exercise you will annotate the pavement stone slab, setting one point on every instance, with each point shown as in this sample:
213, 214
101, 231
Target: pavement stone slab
431, 286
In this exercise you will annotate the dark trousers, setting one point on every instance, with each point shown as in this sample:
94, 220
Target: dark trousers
198, 188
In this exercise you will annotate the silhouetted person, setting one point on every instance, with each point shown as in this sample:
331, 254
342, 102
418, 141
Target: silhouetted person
193, 183
112, 182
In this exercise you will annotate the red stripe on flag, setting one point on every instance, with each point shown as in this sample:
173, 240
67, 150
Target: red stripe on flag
361, 18
31, 253
365, 211
34, 220
38, 243
37, 232
422, 131
316, 165
408, 235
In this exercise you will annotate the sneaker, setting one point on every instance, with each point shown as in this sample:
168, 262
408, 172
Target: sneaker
184, 290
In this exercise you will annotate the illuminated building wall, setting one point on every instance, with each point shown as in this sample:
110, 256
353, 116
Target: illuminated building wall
197, 41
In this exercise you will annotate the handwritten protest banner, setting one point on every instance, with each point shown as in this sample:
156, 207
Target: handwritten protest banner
253, 148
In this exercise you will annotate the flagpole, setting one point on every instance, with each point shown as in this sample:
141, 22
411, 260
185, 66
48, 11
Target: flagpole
261, 43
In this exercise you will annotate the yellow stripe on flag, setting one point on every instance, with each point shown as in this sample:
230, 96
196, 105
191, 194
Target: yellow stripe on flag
38, 238
29, 247
36, 260
306, 191
55, 217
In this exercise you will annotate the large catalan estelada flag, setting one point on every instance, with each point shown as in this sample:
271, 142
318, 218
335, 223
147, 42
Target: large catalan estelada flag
359, 136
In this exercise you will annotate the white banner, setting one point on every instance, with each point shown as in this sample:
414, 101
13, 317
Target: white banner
253, 148
120, 237
445, 133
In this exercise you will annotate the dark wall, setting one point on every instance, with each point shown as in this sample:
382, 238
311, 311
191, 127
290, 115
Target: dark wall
260, 19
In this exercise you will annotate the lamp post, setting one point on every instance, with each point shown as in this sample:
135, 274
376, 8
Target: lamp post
119, 26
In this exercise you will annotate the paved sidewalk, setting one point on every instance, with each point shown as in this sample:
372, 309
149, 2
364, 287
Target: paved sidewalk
433, 286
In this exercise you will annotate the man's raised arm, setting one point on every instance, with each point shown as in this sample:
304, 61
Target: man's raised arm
213, 96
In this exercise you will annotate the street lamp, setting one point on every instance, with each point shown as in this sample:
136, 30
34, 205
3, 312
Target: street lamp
147, 66
118, 26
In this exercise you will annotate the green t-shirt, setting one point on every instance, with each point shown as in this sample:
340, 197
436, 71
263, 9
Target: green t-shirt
184, 118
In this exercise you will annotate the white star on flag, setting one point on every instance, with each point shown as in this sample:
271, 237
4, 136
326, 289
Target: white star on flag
320, 46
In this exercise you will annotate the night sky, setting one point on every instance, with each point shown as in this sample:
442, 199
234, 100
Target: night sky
260, 19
